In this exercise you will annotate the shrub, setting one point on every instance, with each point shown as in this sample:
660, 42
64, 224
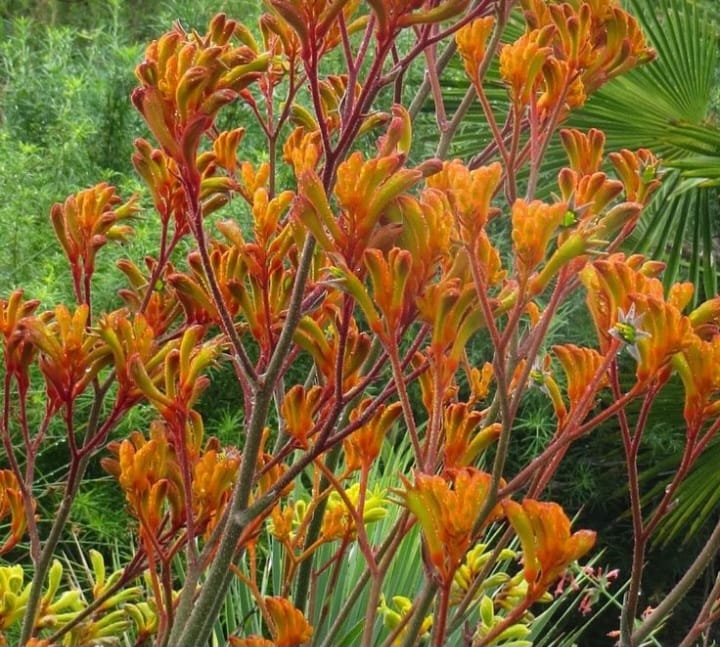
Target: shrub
370, 265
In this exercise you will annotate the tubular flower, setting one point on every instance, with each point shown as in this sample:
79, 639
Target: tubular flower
70, 354
11, 503
86, 222
581, 366
533, 225
185, 79
479, 380
324, 345
590, 194
541, 377
339, 522
629, 306
583, 185
548, 547
363, 446
162, 308
471, 43
427, 233
706, 318
447, 513
454, 315
598, 39
393, 616
561, 86
147, 472
364, 189
15, 594
461, 445
183, 379
469, 193
161, 175
473, 565
132, 339
521, 64
390, 281
584, 150
18, 352
610, 283
699, 368
302, 149
289, 626
668, 332
638, 172
299, 407
349, 234
214, 475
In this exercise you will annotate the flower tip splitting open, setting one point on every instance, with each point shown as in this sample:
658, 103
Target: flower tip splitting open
627, 330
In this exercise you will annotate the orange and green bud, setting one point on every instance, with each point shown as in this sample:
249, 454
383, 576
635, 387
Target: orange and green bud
472, 43
548, 548
447, 512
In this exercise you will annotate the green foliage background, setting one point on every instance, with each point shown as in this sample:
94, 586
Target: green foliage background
66, 71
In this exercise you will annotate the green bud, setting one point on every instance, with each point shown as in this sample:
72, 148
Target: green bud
487, 611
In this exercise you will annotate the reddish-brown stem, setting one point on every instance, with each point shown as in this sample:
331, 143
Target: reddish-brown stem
512, 161
539, 148
226, 320
441, 615
535, 341
354, 120
168, 593
562, 441
356, 513
408, 415
498, 137
435, 87
700, 445
70, 428
431, 38
187, 480
630, 445
24, 482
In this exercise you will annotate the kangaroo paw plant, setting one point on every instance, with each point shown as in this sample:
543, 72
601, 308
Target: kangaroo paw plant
346, 279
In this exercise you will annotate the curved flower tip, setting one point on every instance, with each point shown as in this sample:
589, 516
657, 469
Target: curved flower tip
548, 547
290, 626
447, 513
471, 43
533, 226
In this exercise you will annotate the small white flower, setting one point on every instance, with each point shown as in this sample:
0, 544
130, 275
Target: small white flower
627, 330
538, 373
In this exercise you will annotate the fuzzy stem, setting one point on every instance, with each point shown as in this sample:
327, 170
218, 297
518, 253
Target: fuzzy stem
451, 127
77, 471
197, 627
631, 446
